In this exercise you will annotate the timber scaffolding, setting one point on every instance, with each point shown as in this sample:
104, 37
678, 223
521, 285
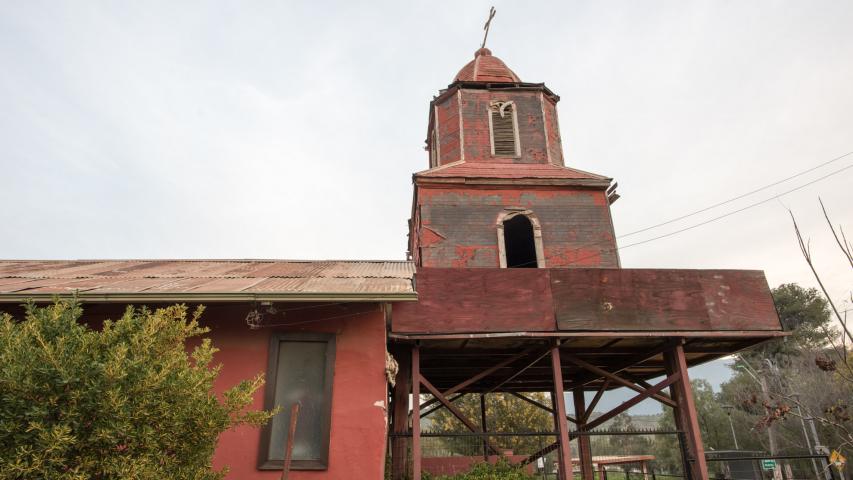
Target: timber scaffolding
482, 331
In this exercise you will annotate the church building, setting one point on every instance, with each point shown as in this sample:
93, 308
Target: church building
513, 285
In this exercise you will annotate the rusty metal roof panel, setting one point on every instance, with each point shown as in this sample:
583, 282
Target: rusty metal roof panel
210, 279
292, 269
227, 284
278, 284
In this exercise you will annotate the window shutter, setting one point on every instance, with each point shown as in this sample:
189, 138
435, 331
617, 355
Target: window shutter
503, 130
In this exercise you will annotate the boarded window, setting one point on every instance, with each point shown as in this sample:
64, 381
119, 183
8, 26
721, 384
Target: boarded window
519, 243
504, 135
300, 371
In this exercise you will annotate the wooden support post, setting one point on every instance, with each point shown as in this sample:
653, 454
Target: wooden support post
686, 419
400, 416
291, 439
565, 464
584, 449
483, 425
416, 413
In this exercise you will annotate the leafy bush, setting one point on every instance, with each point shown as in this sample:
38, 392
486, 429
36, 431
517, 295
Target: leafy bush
124, 401
501, 470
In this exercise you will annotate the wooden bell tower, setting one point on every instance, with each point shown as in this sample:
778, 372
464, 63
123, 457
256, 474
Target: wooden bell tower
497, 193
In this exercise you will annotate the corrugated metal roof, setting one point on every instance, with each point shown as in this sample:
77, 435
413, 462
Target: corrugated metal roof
209, 280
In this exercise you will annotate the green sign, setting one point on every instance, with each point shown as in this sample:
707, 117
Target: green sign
768, 464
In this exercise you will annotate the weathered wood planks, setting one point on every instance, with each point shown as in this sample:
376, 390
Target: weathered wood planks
476, 300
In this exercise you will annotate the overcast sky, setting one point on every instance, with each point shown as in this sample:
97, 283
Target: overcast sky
290, 130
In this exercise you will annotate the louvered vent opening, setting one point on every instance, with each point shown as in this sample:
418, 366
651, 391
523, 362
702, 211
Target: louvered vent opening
503, 130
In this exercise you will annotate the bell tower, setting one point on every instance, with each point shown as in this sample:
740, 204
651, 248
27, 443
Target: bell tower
497, 192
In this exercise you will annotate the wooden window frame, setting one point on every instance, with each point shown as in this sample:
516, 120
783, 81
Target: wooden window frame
509, 213
514, 111
264, 462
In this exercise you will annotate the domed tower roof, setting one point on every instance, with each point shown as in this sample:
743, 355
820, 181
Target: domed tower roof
487, 69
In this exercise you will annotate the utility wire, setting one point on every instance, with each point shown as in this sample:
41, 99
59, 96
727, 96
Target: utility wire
724, 202
720, 217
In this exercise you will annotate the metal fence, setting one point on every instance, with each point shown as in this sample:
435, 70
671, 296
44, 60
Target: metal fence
747, 465
616, 455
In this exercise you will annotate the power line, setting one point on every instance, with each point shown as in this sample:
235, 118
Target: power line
719, 217
740, 209
730, 200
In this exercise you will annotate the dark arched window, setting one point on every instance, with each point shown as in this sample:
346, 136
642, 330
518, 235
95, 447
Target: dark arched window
519, 244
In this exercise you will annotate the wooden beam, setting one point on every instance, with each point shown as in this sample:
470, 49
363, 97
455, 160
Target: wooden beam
616, 379
400, 415
643, 357
480, 376
539, 453
686, 418
595, 400
519, 372
439, 406
489, 371
758, 335
456, 412
584, 448
565, 464
644, 384
633, 401
532, 402
288, 448
484, 425
416, 413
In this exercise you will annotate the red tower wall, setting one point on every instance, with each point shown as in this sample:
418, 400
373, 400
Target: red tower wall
456, 226
538, 133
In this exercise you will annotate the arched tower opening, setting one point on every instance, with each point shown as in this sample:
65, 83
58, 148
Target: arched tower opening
519, 243
520, 240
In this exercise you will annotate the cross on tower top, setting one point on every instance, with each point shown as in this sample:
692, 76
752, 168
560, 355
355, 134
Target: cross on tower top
487, 25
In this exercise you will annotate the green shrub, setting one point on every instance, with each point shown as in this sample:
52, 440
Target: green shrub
125, 401
501, 470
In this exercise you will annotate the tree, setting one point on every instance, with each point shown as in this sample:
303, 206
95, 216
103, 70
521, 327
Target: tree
804, 313
626, 444
123, 401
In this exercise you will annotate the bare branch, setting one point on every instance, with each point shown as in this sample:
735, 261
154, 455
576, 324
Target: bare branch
844, 246
807, 255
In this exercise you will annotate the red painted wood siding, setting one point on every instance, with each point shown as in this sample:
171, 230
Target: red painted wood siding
453, 300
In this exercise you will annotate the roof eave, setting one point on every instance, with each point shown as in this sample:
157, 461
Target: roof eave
210, 297
571, 182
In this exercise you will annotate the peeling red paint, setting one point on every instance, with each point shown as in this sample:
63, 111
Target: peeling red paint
430, 237
580, 256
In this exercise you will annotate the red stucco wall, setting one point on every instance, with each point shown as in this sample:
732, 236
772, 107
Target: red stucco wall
357, 448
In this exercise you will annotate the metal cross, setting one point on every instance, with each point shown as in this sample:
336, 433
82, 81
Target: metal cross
486, 26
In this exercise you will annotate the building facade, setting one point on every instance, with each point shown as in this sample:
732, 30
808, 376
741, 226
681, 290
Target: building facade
513, 285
